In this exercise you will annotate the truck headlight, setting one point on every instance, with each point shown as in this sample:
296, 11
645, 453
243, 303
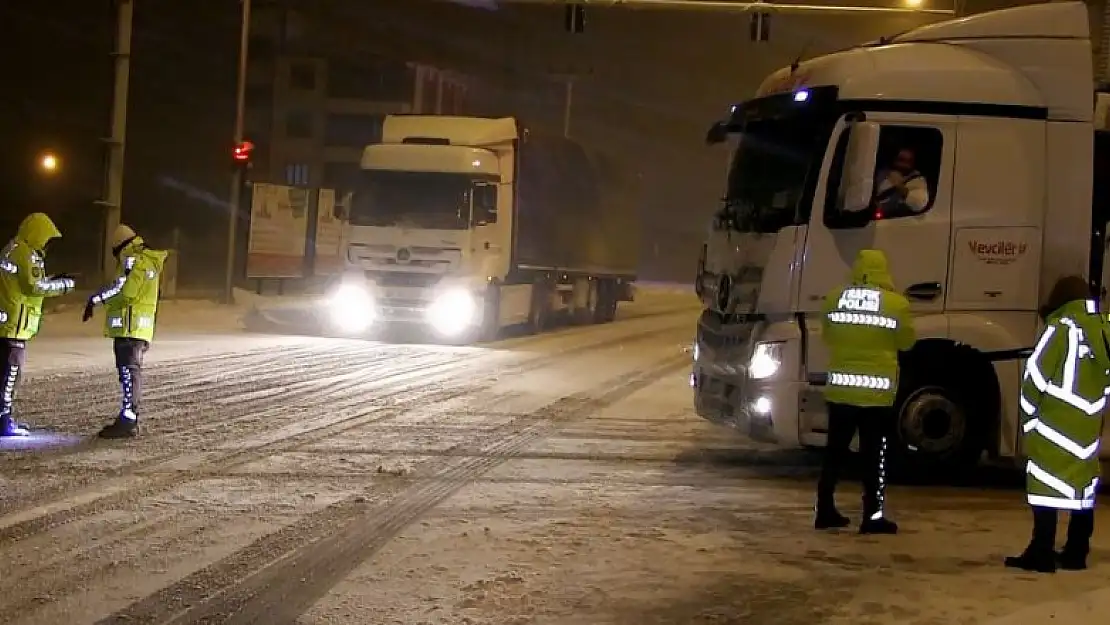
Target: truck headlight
351, 308
452, 312
766, 360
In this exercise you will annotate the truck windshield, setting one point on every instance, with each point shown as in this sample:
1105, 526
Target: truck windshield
414, 199
769, 171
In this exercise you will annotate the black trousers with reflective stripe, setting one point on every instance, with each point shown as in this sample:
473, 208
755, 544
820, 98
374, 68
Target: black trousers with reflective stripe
13, 356
129, 361
874, 425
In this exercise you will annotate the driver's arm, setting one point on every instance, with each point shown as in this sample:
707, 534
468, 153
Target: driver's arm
917, 194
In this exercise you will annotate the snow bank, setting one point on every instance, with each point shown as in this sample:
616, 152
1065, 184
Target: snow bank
204, 316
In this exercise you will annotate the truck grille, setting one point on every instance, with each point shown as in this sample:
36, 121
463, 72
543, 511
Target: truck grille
403, 278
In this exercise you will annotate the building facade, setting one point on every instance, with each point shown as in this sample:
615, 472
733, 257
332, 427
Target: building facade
315, 100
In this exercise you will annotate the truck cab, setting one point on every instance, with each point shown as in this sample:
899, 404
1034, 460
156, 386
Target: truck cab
992, 116
467, 225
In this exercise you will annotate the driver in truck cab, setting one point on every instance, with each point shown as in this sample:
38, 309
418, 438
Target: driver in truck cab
865, 324
901, 189
1063, 401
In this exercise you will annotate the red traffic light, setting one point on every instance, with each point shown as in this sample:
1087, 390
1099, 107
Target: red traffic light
242, 152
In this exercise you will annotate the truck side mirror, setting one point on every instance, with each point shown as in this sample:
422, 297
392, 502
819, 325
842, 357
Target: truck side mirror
717, 133
485, 203
857, 178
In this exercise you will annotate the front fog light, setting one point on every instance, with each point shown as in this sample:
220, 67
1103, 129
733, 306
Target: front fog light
453, 312
765, 361
762, 406
351, 308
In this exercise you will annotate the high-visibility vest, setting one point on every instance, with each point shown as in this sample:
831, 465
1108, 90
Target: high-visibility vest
131, 300
864, 327
1063, 398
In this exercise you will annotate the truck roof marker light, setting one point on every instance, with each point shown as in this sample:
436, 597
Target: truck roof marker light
801, 96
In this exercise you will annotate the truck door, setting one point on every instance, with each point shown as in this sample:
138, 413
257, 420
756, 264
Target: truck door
915, 241
1100, 259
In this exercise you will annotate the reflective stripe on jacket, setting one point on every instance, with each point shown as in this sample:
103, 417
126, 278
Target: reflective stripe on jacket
23, 280
1063, 397
131, 300
864, 325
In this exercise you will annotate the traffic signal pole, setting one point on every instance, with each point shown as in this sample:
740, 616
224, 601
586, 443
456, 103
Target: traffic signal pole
235, 196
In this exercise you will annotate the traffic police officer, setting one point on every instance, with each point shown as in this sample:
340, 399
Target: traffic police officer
865, 325
23, 285
1063, 398
130, 305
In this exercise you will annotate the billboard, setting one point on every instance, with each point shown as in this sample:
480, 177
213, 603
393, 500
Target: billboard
278, 231
331, 225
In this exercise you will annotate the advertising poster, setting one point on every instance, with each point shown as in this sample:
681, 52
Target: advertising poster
331, 223
278, 231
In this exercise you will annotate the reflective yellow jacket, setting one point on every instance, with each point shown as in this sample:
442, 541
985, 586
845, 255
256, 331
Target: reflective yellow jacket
865, 324
23, 281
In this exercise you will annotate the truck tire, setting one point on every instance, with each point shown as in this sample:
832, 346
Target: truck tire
941, 422
588, 315
606, 310
490, 328
539, 319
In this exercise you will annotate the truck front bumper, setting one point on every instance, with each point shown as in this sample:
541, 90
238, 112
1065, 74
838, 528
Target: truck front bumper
448, 314
766, 410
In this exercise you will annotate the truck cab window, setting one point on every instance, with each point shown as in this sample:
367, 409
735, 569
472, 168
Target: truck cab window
907, 171
906, 174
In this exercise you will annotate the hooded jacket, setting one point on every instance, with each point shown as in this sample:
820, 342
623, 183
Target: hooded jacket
23, 280
864, 325
131, 300
1063, 401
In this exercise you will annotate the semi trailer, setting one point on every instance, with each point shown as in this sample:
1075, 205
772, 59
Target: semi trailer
999, 115
463, 226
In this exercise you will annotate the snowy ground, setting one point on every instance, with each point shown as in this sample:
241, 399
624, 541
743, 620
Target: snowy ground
557, 479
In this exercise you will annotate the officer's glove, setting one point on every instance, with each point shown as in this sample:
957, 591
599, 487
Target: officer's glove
89, 306
68, 282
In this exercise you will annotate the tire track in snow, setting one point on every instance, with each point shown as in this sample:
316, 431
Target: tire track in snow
60, 585
277, 578
167, 474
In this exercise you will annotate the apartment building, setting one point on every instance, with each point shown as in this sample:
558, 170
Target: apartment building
316, 98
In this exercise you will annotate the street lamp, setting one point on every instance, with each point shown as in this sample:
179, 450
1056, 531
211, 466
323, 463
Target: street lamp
48, 163
913, 4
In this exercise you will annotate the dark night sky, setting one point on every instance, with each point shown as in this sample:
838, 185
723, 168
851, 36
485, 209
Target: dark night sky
658, 78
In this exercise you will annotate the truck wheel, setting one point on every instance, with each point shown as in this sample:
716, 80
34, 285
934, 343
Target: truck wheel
941, 425
606, 310
588, 315
490, 329
539, 319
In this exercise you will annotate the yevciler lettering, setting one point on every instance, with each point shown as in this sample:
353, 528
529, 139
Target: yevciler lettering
997, 252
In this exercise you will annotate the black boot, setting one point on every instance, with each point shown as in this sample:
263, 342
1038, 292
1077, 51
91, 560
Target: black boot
1073, 557
828, 517
126, 424
9, 427
1039, 556
875, 523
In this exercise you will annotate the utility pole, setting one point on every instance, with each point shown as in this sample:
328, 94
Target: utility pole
235, 198
113, 196
568, 103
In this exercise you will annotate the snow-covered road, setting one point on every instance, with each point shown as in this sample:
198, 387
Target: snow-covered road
557, 479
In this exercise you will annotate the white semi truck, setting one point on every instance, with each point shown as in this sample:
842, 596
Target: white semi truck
997, 113
467, 225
